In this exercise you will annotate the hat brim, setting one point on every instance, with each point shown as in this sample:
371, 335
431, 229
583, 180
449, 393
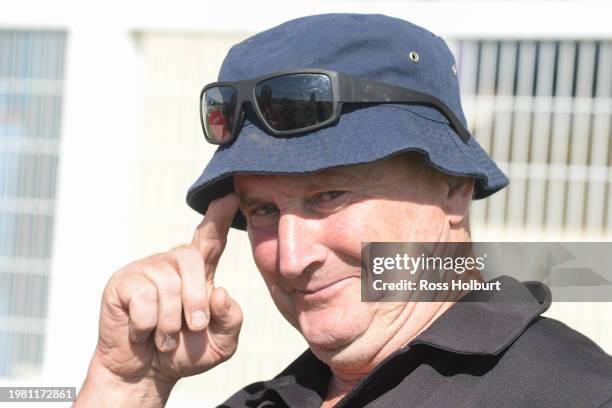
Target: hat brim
363, 135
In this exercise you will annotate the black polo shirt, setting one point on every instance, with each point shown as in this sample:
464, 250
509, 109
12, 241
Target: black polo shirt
492, 349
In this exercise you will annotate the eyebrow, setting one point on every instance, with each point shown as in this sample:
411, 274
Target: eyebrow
331, 179
247, 201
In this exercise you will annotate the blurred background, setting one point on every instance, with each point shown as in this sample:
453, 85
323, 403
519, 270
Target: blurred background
100, 139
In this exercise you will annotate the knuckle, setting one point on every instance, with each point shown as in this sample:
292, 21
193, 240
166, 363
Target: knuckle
140, 266
146, 293
165, 277
115, 281
172, 286
117, 277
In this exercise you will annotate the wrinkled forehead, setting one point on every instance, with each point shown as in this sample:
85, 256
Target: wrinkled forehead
386, 172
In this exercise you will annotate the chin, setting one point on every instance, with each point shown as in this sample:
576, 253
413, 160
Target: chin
332, 321
332, 328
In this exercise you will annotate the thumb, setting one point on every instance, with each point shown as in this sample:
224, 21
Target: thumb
225, 319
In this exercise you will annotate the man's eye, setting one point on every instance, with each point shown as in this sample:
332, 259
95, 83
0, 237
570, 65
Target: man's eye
263, 210
328, 196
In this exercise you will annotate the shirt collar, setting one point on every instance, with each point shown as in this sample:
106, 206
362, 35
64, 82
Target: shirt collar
481, 323
305, 379
486, 322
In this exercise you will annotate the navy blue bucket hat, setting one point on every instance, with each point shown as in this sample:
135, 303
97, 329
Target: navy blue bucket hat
376, 47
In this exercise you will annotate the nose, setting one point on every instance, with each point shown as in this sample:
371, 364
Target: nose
299, 245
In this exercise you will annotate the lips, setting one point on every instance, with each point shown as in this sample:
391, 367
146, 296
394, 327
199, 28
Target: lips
326, 287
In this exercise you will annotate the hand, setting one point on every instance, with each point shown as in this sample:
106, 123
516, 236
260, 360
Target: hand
162, 318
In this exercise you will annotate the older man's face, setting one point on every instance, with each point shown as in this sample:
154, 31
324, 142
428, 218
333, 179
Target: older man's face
306, 233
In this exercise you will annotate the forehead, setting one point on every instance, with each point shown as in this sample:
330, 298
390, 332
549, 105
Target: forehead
388, 177
360, 174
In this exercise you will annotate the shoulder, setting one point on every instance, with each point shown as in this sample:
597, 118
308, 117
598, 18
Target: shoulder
555, 344
550, 359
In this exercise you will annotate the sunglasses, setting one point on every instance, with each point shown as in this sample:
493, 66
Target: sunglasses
292, 102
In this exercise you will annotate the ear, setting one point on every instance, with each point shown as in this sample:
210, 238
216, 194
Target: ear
458, 197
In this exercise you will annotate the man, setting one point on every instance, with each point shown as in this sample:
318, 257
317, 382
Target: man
390, 161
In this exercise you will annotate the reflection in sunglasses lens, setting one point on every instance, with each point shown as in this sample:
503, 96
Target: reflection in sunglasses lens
218, 108
295, 101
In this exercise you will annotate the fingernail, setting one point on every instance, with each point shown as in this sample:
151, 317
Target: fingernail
198, 319
169, 342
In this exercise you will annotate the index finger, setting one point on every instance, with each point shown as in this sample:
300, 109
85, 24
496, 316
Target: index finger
210, 235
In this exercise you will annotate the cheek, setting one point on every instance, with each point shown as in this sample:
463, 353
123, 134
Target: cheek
366, 221
343, 232
380, 220
425, 224
264, 254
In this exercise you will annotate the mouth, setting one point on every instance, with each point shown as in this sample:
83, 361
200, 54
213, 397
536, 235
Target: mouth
326, 290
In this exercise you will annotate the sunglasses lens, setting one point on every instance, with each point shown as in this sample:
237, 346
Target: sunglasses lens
218, 109
295, 101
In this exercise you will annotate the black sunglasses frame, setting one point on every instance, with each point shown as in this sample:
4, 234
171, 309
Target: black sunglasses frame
345, 89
